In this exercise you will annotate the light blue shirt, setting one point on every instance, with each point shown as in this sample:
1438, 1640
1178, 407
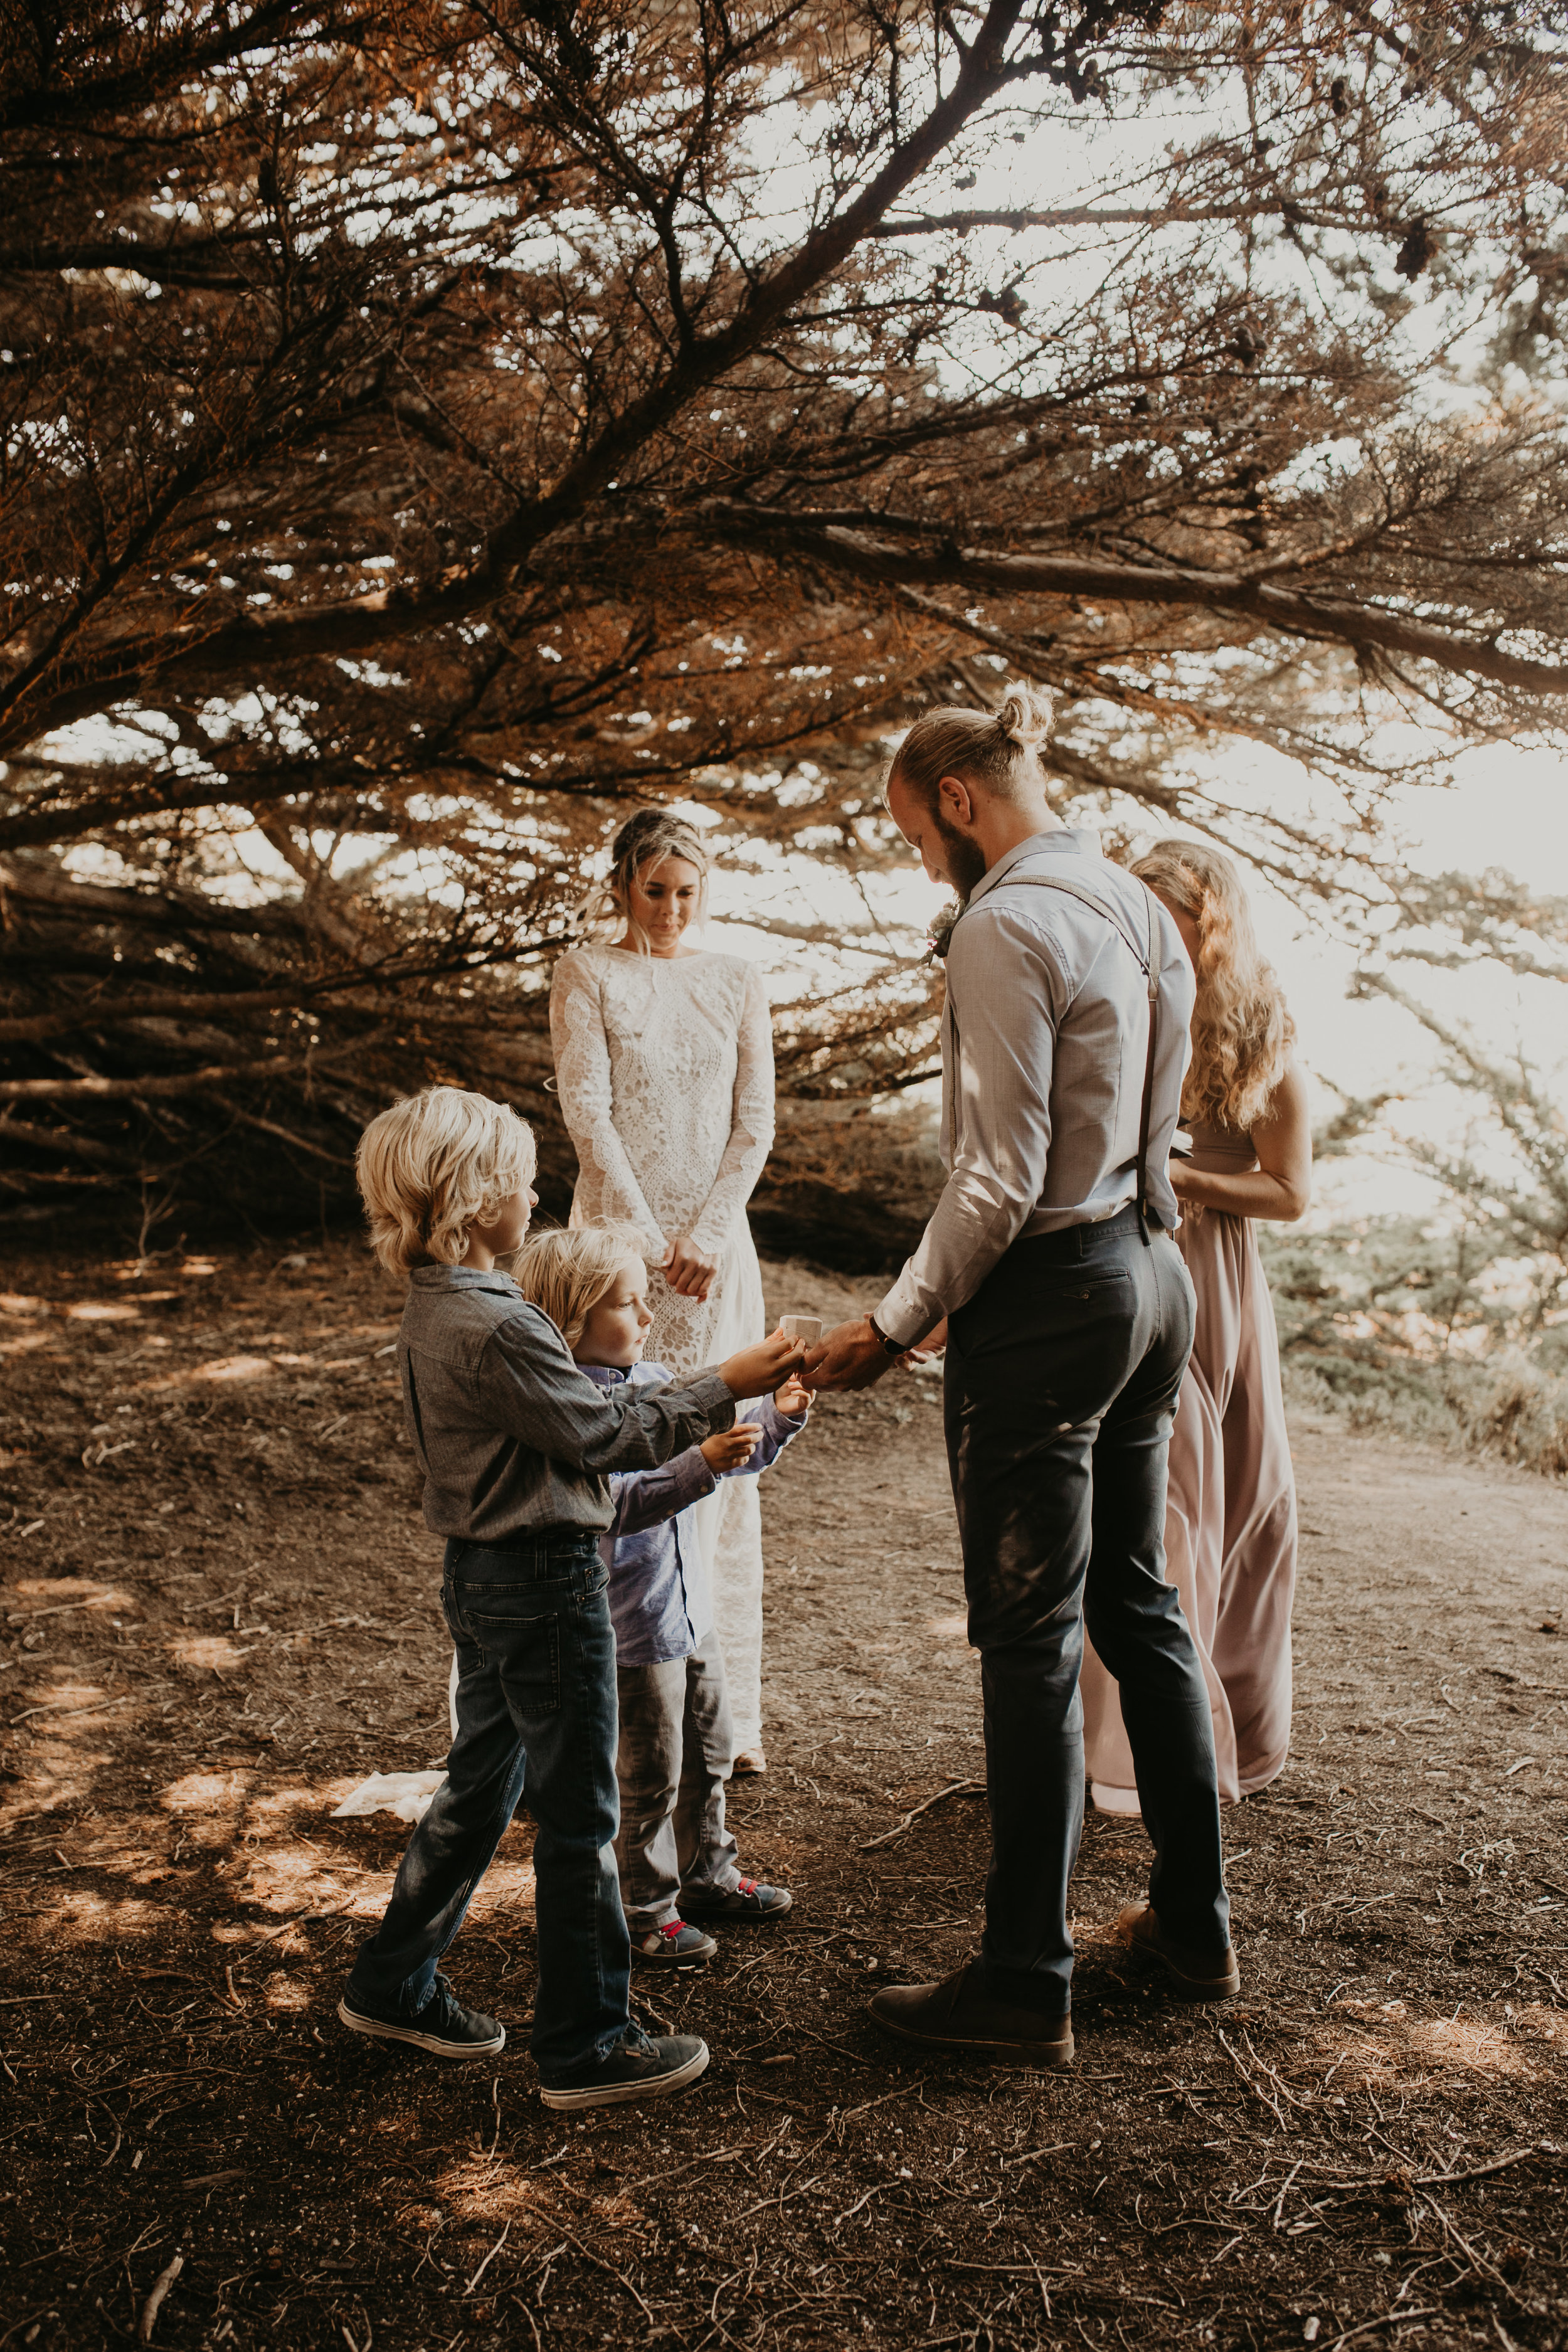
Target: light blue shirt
661, 1605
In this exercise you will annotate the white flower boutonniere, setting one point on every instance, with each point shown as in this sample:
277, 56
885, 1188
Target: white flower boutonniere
941, 932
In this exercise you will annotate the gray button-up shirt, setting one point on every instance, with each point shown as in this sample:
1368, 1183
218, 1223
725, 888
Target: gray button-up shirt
512, 1435
1044, 1044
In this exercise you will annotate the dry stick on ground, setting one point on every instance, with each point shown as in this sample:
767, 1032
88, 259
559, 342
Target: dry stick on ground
611, 2271
1030, 2155
1497, 2164
1476, 2260
1261, 2096
954, 1789
159, 2289
303, 1920
538, 2339
490, 2256
1348, 2184
1279, 2201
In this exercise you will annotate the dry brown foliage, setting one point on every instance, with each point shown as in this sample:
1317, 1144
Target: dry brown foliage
428, 429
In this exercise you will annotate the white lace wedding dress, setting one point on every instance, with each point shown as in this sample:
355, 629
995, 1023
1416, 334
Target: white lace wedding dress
666, 1071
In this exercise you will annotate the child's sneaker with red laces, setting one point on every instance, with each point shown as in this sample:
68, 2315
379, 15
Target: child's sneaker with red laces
744, 1901
674, 1946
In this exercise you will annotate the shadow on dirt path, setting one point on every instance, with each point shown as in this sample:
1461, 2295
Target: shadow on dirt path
220, 1615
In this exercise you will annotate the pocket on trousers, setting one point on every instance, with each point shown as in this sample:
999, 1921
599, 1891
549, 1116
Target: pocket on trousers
1054, 1305
525, 1653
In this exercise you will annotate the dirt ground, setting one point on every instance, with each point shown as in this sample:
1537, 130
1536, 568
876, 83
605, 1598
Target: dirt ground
218, 1615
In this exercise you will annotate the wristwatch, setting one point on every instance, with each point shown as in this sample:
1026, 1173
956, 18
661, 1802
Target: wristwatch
890, 1347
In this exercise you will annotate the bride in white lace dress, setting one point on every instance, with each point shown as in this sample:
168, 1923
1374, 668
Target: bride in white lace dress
664, 1062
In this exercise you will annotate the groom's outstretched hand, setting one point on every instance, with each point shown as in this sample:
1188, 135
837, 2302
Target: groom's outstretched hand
851, 1356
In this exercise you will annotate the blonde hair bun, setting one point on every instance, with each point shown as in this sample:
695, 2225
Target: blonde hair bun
996, 749
1027, 716
650, 837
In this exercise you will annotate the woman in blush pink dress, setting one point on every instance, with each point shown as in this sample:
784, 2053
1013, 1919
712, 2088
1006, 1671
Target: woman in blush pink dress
1230, 1520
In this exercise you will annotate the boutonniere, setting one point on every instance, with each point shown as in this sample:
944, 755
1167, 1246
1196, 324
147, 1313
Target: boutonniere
941, 932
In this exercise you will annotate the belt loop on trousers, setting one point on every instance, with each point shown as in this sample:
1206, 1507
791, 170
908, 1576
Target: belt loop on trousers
1072, 1242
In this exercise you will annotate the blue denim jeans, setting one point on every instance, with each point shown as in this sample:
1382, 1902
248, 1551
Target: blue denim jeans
536, 1713
1061, 1381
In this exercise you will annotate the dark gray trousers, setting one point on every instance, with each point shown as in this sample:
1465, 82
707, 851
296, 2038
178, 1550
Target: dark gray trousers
1061, 1381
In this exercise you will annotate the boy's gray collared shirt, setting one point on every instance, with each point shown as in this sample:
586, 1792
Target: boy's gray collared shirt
512, 1436
1044, 1041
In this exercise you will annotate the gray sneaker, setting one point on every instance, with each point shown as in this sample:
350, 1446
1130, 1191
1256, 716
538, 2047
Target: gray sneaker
746, 1900
644, 2067
674, 1946
443, 2026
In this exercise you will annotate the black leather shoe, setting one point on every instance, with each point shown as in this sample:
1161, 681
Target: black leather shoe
644, 2067
957, 2015
1196, 1976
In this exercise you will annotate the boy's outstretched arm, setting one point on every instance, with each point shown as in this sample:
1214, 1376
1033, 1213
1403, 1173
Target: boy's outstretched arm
531, 1386
534, 1391
776, 1422
646, 1498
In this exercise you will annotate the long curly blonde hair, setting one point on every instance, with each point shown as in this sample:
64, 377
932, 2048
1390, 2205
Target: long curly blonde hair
1242, 1029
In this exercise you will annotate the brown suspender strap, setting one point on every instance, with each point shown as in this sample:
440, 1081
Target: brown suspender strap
1148, 964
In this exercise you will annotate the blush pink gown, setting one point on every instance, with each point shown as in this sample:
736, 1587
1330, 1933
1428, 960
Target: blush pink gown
1230, 1516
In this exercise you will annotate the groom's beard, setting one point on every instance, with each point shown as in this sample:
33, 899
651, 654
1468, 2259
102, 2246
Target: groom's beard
965, 858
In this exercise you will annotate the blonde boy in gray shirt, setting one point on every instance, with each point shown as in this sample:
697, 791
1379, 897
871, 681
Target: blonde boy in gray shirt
516, 1444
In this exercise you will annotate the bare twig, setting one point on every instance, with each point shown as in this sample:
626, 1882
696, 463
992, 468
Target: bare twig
1262, 2098
1389, 2319
851, 2210
1477, 2261
489, 2257
622, 2279
159, 2289
1032, 2155
1497, 2164
954, 1789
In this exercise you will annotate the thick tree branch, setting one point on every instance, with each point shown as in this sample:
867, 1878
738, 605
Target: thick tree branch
186, 1082
1330, 619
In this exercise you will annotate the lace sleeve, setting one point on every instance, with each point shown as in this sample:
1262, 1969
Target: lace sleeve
582, 1075
751, 1124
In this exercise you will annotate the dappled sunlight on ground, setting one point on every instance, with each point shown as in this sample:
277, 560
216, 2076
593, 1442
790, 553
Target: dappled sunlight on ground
1447, 2044
203, 1793
25, 1345
212, 1650
1386, 2050
248, 1628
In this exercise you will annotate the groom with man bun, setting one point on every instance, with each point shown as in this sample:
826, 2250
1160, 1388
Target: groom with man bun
1049, 1272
